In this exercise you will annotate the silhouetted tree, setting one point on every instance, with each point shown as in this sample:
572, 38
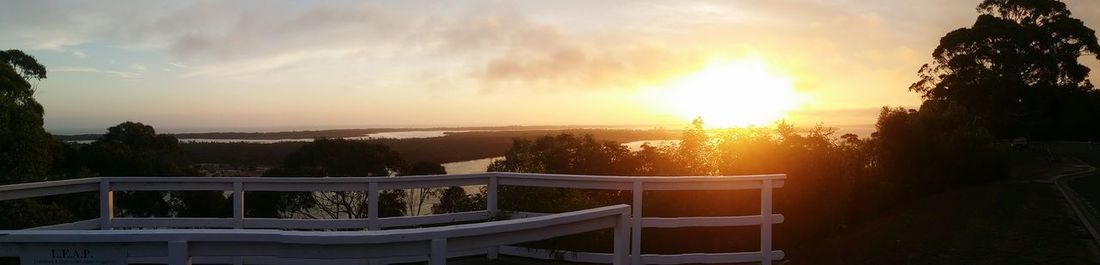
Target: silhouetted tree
1016, 70
455, 199
24, 143
333, 158
418, 197
26, 150
135, 149
562, 154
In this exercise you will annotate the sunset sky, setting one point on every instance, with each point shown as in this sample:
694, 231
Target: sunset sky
192, 66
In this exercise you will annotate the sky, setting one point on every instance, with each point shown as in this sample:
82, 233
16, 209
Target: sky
269, 65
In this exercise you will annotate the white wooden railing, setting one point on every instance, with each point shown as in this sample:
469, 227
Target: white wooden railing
227, 246
373, 185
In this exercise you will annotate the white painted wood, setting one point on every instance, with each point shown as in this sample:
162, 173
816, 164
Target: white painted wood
311, 224
628, 179
78, 225
292, 247
106, 186
238, 205
636, 223
177, 185
317, 237
178, 253
173, 222
412, 221
703, 185
257, 183
766, 223
372, 206
305, 186
491, 195
439, 252
491, 205
220, 260
556, 183
521, 214
621, 247
280, 223
47, 188
716, 221
106, 205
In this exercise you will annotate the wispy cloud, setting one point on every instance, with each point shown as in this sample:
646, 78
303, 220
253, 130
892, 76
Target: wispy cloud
83, 69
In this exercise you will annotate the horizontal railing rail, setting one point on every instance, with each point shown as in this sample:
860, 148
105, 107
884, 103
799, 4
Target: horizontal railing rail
373, 185
179, 246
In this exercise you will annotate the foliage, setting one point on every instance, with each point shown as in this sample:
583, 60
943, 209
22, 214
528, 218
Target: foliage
455, 199
454, 147
417, 198
26, 156
1016, 69
27, 152
333, 158
563, 154
135, 149
833, 182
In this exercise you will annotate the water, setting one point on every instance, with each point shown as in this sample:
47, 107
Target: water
470, 166
381, 135
637, 145
407, 134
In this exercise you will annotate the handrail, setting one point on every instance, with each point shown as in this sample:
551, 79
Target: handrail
48, 188
373, 185
353, 245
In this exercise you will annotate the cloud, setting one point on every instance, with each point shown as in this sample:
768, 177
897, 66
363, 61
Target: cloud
138, 68
82, 69
512, 51
261, 35
258, 66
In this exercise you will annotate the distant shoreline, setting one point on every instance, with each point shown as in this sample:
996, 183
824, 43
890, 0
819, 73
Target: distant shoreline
862, 130
341, 133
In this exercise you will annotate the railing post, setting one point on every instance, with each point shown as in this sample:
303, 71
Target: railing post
372, 206
636, 224
766, 222
439, 252
491, 193
238, 205
491, 205
106, 205
622, 238
177, 253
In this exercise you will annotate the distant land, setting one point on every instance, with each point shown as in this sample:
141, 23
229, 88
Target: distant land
431, 144
863, 130
452, 147
344, 133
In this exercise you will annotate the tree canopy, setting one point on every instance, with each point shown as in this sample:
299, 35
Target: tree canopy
26, 155
334, 158
135, 149
1016, 69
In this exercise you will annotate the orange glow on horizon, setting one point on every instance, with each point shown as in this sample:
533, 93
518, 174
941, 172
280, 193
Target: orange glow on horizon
730, 94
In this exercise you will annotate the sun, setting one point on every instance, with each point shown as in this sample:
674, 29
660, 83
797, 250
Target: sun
731, 94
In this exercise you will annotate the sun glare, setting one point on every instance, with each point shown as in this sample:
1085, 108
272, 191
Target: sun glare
731, 94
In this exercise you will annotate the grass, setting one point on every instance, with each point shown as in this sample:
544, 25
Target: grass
1008, 222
